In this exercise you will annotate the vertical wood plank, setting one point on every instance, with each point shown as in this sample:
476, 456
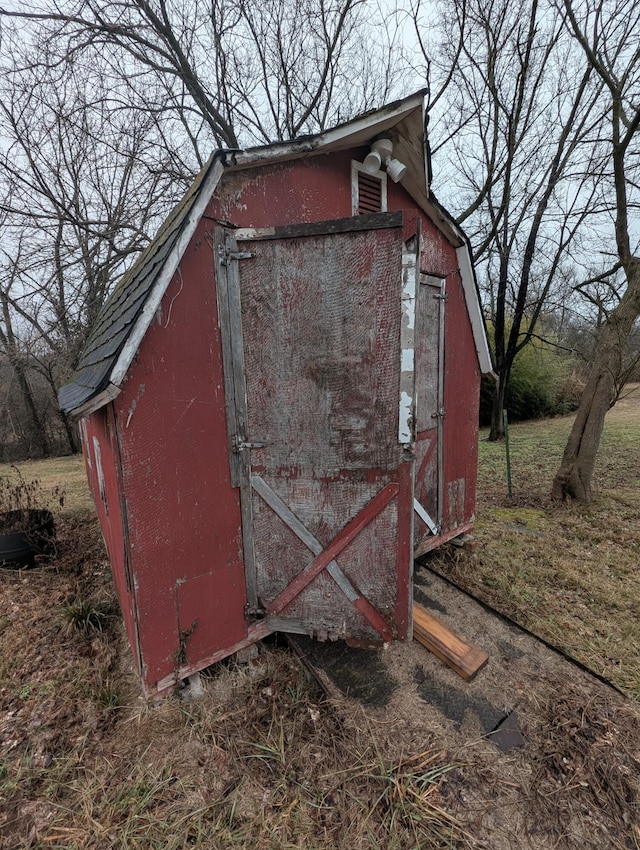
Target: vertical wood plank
230, 311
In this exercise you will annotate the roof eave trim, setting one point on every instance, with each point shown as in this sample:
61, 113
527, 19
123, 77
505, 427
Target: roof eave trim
330, 139
96, 402
473, 308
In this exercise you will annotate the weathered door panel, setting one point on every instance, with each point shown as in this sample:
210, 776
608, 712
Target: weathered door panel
430, 303
321, 318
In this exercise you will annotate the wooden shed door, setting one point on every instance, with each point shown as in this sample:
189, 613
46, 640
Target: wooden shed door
429, 377
320, 396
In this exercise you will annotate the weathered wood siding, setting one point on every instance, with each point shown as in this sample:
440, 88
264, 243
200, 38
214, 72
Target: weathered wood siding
104, 473
461, 401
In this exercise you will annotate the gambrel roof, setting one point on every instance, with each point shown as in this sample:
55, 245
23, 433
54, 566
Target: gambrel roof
128, 312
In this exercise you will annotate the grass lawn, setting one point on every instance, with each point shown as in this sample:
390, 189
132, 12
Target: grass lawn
570, 573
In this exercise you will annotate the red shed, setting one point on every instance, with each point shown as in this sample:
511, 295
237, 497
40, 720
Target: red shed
279, 401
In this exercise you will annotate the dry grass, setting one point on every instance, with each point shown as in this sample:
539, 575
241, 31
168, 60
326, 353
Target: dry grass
586, 767
65, 474
264, 761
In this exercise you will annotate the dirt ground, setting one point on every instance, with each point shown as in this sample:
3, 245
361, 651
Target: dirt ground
570, 777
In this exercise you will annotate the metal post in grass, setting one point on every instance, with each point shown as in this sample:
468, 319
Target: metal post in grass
506, 446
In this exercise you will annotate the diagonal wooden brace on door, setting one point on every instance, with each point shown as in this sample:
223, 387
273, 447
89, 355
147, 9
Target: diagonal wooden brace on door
325, 556
424, 516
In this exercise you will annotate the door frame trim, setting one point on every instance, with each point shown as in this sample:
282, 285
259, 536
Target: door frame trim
235, 388
352, 224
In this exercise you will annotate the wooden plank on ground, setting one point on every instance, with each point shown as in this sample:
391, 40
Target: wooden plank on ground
465, 659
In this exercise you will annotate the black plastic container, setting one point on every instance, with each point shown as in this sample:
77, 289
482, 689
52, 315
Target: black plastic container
29, 533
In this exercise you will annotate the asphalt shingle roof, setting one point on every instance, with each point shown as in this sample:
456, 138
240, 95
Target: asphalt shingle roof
118, 316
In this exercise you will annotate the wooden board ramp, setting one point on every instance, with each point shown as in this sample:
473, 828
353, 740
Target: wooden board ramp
465, 659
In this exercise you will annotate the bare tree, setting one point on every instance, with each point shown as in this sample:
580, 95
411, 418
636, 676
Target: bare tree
232, 72
109, 107
32, 425
607, 33
81, 186
510, 130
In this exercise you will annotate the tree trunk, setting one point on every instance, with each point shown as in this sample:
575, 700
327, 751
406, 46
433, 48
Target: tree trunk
573, 479
71, 433
37, 434
496, 431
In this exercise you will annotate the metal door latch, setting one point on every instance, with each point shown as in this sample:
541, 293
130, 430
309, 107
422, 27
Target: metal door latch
226, 255
239, 444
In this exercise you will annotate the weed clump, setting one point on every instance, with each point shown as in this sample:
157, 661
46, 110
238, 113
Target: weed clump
87, 617
19, 496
